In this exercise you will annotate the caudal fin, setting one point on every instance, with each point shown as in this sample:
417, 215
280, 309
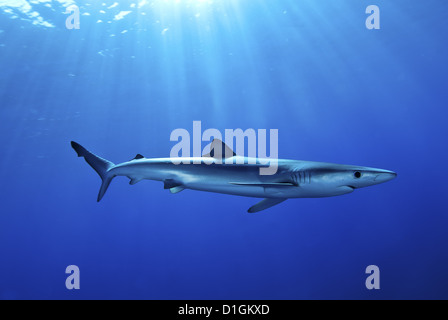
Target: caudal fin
100, 165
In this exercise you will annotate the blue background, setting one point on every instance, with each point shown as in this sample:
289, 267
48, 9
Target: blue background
336, 91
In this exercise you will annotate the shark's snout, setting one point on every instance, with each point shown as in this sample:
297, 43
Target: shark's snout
385, 176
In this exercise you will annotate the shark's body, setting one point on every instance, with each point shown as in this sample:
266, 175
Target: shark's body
241, 176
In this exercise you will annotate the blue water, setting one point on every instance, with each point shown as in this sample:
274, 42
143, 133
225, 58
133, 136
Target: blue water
119, 85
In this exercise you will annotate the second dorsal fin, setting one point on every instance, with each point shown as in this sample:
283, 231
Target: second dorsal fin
138, 157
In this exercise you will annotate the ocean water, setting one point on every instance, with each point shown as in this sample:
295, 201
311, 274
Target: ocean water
137, 70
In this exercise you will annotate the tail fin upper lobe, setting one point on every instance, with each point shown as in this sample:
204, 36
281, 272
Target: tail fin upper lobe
100, 165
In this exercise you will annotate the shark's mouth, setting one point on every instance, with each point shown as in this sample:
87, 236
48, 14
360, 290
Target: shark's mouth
352, 187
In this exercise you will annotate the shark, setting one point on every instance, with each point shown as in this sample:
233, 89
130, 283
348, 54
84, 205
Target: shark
239, 175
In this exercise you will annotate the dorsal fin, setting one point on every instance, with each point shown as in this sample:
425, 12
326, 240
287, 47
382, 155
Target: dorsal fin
220, 150
138, 157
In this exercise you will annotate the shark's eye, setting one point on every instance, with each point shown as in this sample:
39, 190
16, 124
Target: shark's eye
358, 174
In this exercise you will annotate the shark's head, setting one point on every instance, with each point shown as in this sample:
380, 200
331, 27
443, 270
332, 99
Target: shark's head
341, 179
360, 177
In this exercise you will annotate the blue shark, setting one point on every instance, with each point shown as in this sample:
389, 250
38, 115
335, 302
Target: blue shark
239, 175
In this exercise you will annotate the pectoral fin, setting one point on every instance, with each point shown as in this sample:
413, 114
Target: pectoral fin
265, 204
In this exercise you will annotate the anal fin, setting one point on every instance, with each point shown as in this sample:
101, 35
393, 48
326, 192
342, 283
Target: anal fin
177, 189
171, 183
265, 204
134, 181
